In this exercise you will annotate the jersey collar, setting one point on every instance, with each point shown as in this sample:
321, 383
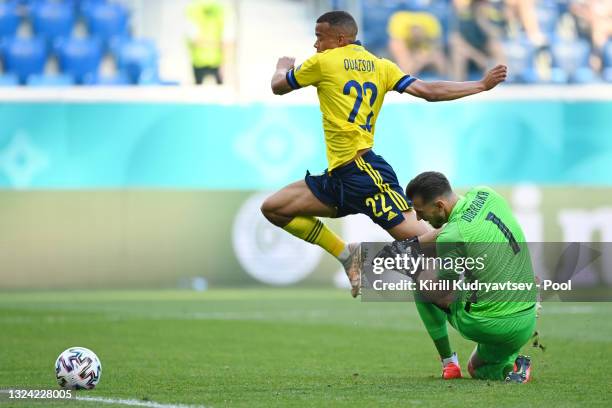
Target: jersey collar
458, 208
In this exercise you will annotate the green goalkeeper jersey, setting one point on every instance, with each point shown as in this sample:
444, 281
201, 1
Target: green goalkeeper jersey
500, 279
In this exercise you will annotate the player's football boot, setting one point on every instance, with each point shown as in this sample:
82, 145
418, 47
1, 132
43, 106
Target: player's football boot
451, 371
353, 268
521, 372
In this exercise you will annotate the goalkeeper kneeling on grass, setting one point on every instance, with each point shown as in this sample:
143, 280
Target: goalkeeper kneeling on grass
490, 297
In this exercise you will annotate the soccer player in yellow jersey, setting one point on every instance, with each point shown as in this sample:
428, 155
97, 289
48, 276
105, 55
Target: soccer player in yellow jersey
351, 85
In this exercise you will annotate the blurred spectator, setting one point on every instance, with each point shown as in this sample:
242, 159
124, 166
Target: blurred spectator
594, 23
206, 39
415, 42
476, 38
522, 14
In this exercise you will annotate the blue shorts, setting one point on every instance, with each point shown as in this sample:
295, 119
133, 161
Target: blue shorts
367, 186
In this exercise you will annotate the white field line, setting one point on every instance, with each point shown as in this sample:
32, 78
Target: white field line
134, 403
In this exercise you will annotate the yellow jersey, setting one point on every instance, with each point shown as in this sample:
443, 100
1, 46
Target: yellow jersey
351, 84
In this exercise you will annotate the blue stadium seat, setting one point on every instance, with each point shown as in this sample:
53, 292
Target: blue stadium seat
571, 61
118, 80
83, 6
607, 61
9, 80
520, 55
374, 33
9, 19
79, 57
137, 59
60, 80
548, 14
607, 54
106, 21
25, 57
53, 20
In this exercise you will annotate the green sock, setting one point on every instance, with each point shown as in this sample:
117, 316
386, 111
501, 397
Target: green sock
443, 347
434, 320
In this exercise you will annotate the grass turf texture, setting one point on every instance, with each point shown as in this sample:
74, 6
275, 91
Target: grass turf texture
284, 347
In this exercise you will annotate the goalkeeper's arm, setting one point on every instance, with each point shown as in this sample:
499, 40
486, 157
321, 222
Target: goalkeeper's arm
424, 277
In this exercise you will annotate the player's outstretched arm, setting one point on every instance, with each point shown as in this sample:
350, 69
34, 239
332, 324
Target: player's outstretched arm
437, 91
279, 83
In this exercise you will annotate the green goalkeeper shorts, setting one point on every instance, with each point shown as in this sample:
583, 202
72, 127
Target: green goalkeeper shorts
499, 338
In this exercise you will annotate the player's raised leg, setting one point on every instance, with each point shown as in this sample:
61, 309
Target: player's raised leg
295, 208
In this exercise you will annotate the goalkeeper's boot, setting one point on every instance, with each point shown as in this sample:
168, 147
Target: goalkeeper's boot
451, 370
521, 372
353, 267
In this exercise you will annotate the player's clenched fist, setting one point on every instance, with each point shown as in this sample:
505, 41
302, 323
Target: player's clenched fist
285, 63
495, 76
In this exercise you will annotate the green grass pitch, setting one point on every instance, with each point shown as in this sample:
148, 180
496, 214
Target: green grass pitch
286, 348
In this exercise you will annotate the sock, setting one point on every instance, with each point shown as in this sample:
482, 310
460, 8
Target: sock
452, 359
312, 230
434, 320
444, 348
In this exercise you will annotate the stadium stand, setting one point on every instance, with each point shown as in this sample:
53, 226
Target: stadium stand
24, 57
52, 20
9, 80
561, 54
106, 21
607, 60
137, 59
58, 80
9, 19
64, 43
571, 62
79, 57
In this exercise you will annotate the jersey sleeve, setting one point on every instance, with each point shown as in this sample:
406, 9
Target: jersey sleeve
396, 79
309, 73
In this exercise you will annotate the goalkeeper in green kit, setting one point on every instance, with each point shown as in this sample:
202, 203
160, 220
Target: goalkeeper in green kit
479, 225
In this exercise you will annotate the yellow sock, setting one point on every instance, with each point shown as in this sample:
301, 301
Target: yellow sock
312, 230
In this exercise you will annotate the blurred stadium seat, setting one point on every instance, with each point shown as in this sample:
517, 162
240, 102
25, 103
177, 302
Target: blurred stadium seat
53, 20
106, 20
377, 14
607, 61
9, 80
137, 59
9, 19
24, 57
116, 80
59, 80
520, 59
79, 57
571, 61
548, 14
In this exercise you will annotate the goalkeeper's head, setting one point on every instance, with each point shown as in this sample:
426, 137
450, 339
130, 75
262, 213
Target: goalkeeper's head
432, 197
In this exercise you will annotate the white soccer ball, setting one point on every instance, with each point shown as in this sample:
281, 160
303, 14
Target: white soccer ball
78, 368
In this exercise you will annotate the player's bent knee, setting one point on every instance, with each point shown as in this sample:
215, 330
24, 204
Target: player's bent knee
271, 211
268, 210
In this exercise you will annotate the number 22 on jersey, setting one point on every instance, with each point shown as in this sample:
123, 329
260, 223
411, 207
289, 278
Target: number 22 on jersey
362, 91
